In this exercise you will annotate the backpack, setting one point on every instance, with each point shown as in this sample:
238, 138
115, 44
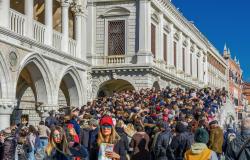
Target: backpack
230, 137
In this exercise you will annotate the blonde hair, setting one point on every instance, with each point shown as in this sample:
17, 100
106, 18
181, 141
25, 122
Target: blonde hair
52, 144
130, 130
114, 137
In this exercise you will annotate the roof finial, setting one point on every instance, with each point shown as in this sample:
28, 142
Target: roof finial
225, 47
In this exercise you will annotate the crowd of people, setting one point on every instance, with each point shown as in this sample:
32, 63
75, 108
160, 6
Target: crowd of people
169, 124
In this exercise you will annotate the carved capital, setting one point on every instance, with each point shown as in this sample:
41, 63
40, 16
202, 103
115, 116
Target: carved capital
77, 8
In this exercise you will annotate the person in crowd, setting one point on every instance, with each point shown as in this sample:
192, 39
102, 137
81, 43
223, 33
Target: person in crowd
239, 148
229, 135
199, 150
23, 146
181, 141
51, 121
140, 143
1, 144
8, 141
108, 134
162, 146
59, 149
91, 137
31, 138
74, 115
216, 138
124, 138
44, 133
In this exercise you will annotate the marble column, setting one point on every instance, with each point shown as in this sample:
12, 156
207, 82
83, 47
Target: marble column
4, 10
144, 54
179, 53
28, 10
160, 38
91, 34
48, 22
187, 57
65, 25
171, 46
78, 14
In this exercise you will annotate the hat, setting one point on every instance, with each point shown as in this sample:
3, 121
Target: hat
93, 122
201, 136
213, 122
73, 109
106, 120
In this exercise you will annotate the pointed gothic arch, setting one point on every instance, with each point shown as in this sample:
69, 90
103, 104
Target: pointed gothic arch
70, 86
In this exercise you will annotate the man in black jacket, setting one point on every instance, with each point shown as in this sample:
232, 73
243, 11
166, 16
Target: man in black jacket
162, 146
239, 148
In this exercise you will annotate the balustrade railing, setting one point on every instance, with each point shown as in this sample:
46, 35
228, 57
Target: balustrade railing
72, 47
57, 40
115, 59
17, 22
39, 31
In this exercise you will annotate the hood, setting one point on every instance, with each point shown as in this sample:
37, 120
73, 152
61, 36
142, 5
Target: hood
197, 148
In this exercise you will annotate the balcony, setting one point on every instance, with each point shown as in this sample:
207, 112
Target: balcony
18, 24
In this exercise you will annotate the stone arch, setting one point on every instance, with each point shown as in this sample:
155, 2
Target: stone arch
156, 85
41, 76
70, 85
5, 78
33, 87
107, 88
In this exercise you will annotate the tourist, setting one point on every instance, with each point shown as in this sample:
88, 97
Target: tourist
199, 150
162, 147
238, 149
215, 138
107, 134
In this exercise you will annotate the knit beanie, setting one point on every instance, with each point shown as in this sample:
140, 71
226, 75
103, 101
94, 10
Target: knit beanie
201, 136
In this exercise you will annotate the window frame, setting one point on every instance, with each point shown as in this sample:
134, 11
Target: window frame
106, 23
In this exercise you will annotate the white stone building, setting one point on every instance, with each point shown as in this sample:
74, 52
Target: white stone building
56, 53
42, 57
148, 43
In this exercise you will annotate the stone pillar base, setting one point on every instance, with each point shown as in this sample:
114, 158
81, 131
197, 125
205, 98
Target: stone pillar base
144, 57
5, 121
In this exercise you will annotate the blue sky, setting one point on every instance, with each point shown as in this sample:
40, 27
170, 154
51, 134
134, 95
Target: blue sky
222, 21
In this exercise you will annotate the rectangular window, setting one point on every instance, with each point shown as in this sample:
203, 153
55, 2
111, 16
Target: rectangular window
175, 49
191, 64
183, 60
165, 52
116, 37
153, 34
197, 65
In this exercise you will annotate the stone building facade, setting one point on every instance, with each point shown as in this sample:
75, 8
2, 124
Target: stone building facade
56, 53
151, 39
42, 58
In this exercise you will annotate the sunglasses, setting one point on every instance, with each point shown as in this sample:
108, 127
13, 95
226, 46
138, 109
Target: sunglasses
56, 135
106, 126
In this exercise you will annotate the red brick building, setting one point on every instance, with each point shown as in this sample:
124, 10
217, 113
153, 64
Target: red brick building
235, 79
246, 92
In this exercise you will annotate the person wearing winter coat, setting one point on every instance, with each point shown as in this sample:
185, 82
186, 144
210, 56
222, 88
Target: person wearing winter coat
59, 149
162, 146
216, 138
199, 150
137, 138
9, 145
181, 141
239, 148
108, 134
